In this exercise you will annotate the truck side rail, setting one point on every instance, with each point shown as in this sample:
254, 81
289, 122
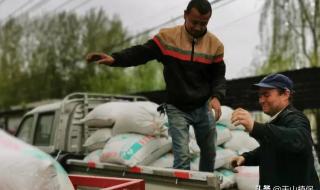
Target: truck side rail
176, 179
75, 107
101, 97
88, 98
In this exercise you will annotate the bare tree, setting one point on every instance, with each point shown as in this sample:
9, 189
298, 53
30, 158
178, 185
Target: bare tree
289, 32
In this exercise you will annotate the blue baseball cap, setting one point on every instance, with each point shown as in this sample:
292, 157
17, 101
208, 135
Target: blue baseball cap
276, 81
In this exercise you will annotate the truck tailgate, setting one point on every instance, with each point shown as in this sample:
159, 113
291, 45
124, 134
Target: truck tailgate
155, 178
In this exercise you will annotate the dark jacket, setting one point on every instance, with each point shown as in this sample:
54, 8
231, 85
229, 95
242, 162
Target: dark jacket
194, 69
285, 154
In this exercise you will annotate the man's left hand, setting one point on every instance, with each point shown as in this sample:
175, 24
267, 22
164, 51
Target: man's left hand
216, 106
243, 117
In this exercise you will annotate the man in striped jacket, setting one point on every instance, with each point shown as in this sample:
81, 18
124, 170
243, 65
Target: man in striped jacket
194, 72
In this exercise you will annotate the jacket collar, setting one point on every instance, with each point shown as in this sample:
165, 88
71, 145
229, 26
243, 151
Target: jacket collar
282, 113
190, 37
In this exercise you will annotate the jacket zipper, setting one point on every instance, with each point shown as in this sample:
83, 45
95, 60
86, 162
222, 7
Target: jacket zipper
192, 51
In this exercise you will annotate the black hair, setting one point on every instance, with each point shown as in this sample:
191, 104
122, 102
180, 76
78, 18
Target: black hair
282, 91
203, 6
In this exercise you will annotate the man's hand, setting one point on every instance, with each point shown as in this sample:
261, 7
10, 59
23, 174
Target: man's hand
216, 106
237, 161
100, 58
243, 117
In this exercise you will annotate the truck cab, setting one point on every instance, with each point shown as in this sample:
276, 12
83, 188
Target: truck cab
38, 126
56, 129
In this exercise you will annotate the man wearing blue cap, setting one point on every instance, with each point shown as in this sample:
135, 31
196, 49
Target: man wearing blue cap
285, 156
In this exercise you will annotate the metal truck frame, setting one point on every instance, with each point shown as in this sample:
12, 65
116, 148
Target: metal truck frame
56, 129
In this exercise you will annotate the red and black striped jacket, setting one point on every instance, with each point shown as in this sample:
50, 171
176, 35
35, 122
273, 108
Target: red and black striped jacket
194, 69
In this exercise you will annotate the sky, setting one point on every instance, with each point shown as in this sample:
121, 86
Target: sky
234, 22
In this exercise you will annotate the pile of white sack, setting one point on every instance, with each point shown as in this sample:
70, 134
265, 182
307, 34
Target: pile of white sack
130, 133
26, 167
134, 133
238, 142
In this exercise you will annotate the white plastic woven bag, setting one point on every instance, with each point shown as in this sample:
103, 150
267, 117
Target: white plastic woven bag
98, 139
139, 117
26, 167
135, 149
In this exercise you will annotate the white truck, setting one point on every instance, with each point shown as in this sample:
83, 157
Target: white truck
56, 129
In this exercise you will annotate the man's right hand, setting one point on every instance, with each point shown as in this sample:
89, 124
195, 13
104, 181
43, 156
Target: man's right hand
237, 161
100, 58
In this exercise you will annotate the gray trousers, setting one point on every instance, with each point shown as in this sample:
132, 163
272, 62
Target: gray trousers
205, 132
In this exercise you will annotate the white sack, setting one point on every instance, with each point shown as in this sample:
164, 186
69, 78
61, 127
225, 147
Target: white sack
193, 147
138, 117
134, 149
94, 156
225, 118
98, 139
26, 167
195, 163
223, 157
223, 134
192, 135
100, 116
241, 142
247, 178
165, 161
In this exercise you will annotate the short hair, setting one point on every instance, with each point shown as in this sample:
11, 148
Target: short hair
282, 91
203, 6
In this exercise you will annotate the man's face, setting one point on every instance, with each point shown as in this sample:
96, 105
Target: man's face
196, 23
272, 101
